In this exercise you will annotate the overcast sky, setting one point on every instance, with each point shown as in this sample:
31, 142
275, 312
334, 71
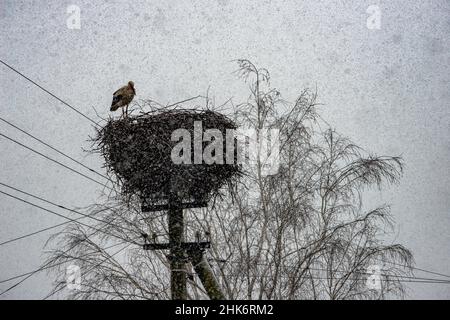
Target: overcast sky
386, 86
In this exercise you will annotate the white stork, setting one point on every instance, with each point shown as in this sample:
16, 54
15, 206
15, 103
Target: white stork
123, 97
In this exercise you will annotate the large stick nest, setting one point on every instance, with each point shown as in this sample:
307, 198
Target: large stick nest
138, 150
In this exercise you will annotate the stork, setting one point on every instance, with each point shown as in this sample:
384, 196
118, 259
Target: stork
123, 97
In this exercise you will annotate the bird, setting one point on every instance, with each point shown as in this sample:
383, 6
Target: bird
197, 236
208, 235
145, 236
123, 97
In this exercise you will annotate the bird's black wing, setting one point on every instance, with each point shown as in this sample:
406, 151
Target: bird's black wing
116, 99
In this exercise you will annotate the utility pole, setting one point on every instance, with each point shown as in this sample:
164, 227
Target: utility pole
181, 252
177, 256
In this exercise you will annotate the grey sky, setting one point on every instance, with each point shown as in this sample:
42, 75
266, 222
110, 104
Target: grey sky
387, 89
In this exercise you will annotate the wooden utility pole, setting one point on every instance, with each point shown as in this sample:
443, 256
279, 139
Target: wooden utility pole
177, 255
181, 252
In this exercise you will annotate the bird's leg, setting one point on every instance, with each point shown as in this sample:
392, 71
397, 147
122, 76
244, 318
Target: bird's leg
126, 111
123, 116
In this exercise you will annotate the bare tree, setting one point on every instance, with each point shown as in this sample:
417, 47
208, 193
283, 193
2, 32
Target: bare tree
299, 233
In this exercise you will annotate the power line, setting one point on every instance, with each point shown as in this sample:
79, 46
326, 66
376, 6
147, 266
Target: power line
350, 279
37, 232
55, 161
63, 207
74, 109
49, 228
383, 275
47, 265
73, 220
90, 269
416, 268
60, 215
53, 148
387, 275
50, 93
361, 272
